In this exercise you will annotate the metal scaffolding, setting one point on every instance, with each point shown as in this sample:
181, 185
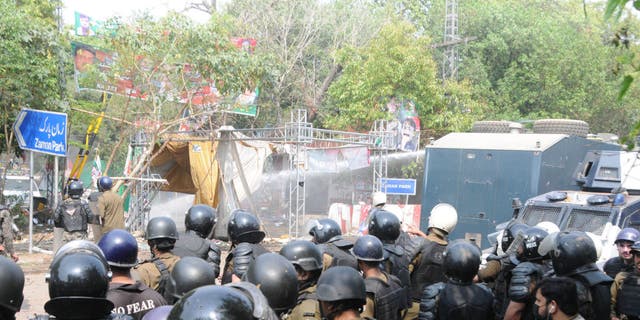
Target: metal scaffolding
298, 134
451, 55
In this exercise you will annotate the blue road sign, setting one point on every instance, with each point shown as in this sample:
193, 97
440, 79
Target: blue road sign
42, 131
398, 186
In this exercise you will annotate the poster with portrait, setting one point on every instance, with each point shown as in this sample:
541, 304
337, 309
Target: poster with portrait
92, 67
405, 127
85, 25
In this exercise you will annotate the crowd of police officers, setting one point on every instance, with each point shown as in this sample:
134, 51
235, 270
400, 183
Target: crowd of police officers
391, 273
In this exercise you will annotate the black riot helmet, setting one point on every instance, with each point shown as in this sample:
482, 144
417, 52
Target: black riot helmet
161, 228
190, 273
277, 279
120, 248
12, 280
533, 236
304, 254
324, 230
75, 189
78, 284
341, 283
212, 302
368, 248
244, 227
569, 250
105, 183
81, 246
201, 218
510, 233
461, 261
384, 225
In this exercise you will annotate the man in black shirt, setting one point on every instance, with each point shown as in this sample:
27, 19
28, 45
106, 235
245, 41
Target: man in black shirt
128, 295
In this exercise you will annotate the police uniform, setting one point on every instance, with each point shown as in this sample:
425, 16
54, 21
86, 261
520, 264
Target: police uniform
625, 296
456, 301
239, 258
616, 265
307, 306
149, 274
73, 215
594, 291
190, 244
499, 272
134, 299
6, 238
336, 253
426, 269
111, 210
386, 298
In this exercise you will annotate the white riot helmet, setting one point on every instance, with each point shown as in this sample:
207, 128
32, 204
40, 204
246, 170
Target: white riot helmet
548, 226
597, 241
444, 217
378, 199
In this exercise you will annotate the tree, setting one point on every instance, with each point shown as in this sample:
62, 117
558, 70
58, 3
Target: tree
28, 61
394, 65
159, 67
301, 38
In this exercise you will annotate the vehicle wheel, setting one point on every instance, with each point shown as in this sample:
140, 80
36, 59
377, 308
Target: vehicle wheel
491, 127
562, 126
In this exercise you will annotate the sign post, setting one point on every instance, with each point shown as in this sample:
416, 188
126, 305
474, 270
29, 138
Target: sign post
398, 186
44, 132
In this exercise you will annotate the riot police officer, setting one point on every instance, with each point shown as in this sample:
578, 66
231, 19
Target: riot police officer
335, 249
245, 235
625, 290
187, 274
306, 257
199, 221
341, 292
6, 238
573, 254
212, 302
458, 298
427, 265
386, 297
110, 206
498, 268
276, 277
526, 275
385, 226
73, 214
128, 295
161, 236
261, 309
78, 283
12, 281
624, 261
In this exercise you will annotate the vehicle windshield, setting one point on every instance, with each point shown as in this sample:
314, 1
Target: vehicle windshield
588, 220
16, 185
533, 215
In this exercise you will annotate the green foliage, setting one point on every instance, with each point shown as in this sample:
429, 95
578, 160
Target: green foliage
300, 38
395, 64
29, 45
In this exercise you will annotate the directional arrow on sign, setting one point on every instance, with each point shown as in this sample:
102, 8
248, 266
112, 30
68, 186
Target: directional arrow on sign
42, 131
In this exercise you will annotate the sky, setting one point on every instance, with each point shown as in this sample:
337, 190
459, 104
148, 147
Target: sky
104, 9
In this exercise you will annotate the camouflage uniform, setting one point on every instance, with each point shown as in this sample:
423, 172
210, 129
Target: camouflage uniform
6, 237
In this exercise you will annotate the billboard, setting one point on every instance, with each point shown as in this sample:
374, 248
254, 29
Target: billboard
405, 125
